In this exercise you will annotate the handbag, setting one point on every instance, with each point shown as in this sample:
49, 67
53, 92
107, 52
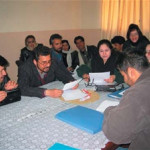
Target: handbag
12, 96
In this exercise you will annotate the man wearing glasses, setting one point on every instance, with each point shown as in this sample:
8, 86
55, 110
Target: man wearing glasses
39, 71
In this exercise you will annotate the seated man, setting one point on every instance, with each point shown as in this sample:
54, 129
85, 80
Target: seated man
117, 42
39, 71
86, 53
129, 122
27, 51
5, 83
56, 46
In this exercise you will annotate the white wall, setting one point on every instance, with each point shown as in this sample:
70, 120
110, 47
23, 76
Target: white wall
70, 18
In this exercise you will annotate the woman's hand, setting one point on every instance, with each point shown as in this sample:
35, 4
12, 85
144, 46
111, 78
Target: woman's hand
111, 79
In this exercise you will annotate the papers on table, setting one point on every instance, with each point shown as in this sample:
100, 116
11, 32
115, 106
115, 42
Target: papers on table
101, 108
69, 95
70, 85
98, 78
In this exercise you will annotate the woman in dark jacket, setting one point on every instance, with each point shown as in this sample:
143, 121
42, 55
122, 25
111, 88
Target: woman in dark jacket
104, 61
70, 57
135, 40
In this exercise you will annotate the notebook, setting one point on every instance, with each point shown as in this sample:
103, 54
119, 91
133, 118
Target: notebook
83, 118
118, 94
59, 146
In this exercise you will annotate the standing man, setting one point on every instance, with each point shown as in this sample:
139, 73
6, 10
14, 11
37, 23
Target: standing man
129, 122
39, 71
86, 53
5, 83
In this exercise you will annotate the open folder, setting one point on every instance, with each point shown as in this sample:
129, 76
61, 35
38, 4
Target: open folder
83, 118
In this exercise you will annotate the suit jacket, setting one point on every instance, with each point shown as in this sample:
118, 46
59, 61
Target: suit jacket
29, 79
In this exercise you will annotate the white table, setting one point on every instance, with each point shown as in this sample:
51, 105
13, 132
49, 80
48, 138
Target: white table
30, 124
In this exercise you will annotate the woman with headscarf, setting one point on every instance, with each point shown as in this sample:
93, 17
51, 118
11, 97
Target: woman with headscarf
136, 41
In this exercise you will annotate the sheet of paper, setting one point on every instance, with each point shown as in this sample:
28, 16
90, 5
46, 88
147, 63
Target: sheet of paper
69, 95
98, 78
70, 85
106, 104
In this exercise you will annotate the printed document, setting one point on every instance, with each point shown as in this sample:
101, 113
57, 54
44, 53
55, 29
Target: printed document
98, 78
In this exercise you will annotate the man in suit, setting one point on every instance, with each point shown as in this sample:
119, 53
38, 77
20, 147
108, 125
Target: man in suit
86, 53
40, 70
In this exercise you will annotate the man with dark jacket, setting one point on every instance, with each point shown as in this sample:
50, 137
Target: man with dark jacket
129, 122
86, 53
40, 70
5, 83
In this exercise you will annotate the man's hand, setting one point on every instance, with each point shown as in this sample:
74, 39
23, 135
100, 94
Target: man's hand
10, 85
86, 77
55, 93
3, 95
111, 79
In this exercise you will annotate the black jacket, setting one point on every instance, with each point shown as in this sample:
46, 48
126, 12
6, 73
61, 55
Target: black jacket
75, 59
139, 46
25, 55
6, 79
97, 64
29, 79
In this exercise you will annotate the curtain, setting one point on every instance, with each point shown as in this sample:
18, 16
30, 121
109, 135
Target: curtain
117, 15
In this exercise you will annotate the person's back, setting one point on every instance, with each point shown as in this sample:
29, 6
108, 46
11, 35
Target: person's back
129, 122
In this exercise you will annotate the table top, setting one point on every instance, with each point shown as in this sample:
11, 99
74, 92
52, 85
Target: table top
31, 124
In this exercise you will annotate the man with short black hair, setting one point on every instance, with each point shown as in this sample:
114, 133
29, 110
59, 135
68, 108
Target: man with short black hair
56, 46
86, 53
39, 71
5, 83
129, 122
117, 42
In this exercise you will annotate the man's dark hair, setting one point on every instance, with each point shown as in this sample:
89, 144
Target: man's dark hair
133, 27
132, 59
54, 36
78, 38
41, 51
66, 41
29, 37
118, 39
3, 62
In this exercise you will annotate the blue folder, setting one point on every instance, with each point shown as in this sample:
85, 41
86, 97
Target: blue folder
59, 146
117, 93
83, 118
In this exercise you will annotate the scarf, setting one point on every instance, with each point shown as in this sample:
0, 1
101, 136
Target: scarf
69, 59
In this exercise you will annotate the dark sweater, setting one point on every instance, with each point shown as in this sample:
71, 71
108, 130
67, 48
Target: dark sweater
97, 64
29, 79
138, 46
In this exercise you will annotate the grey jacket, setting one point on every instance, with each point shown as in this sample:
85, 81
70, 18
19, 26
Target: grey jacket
29, 79
129, 122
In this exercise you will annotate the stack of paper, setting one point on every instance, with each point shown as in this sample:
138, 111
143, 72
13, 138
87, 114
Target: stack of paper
107, 103
98, 78
69, 95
